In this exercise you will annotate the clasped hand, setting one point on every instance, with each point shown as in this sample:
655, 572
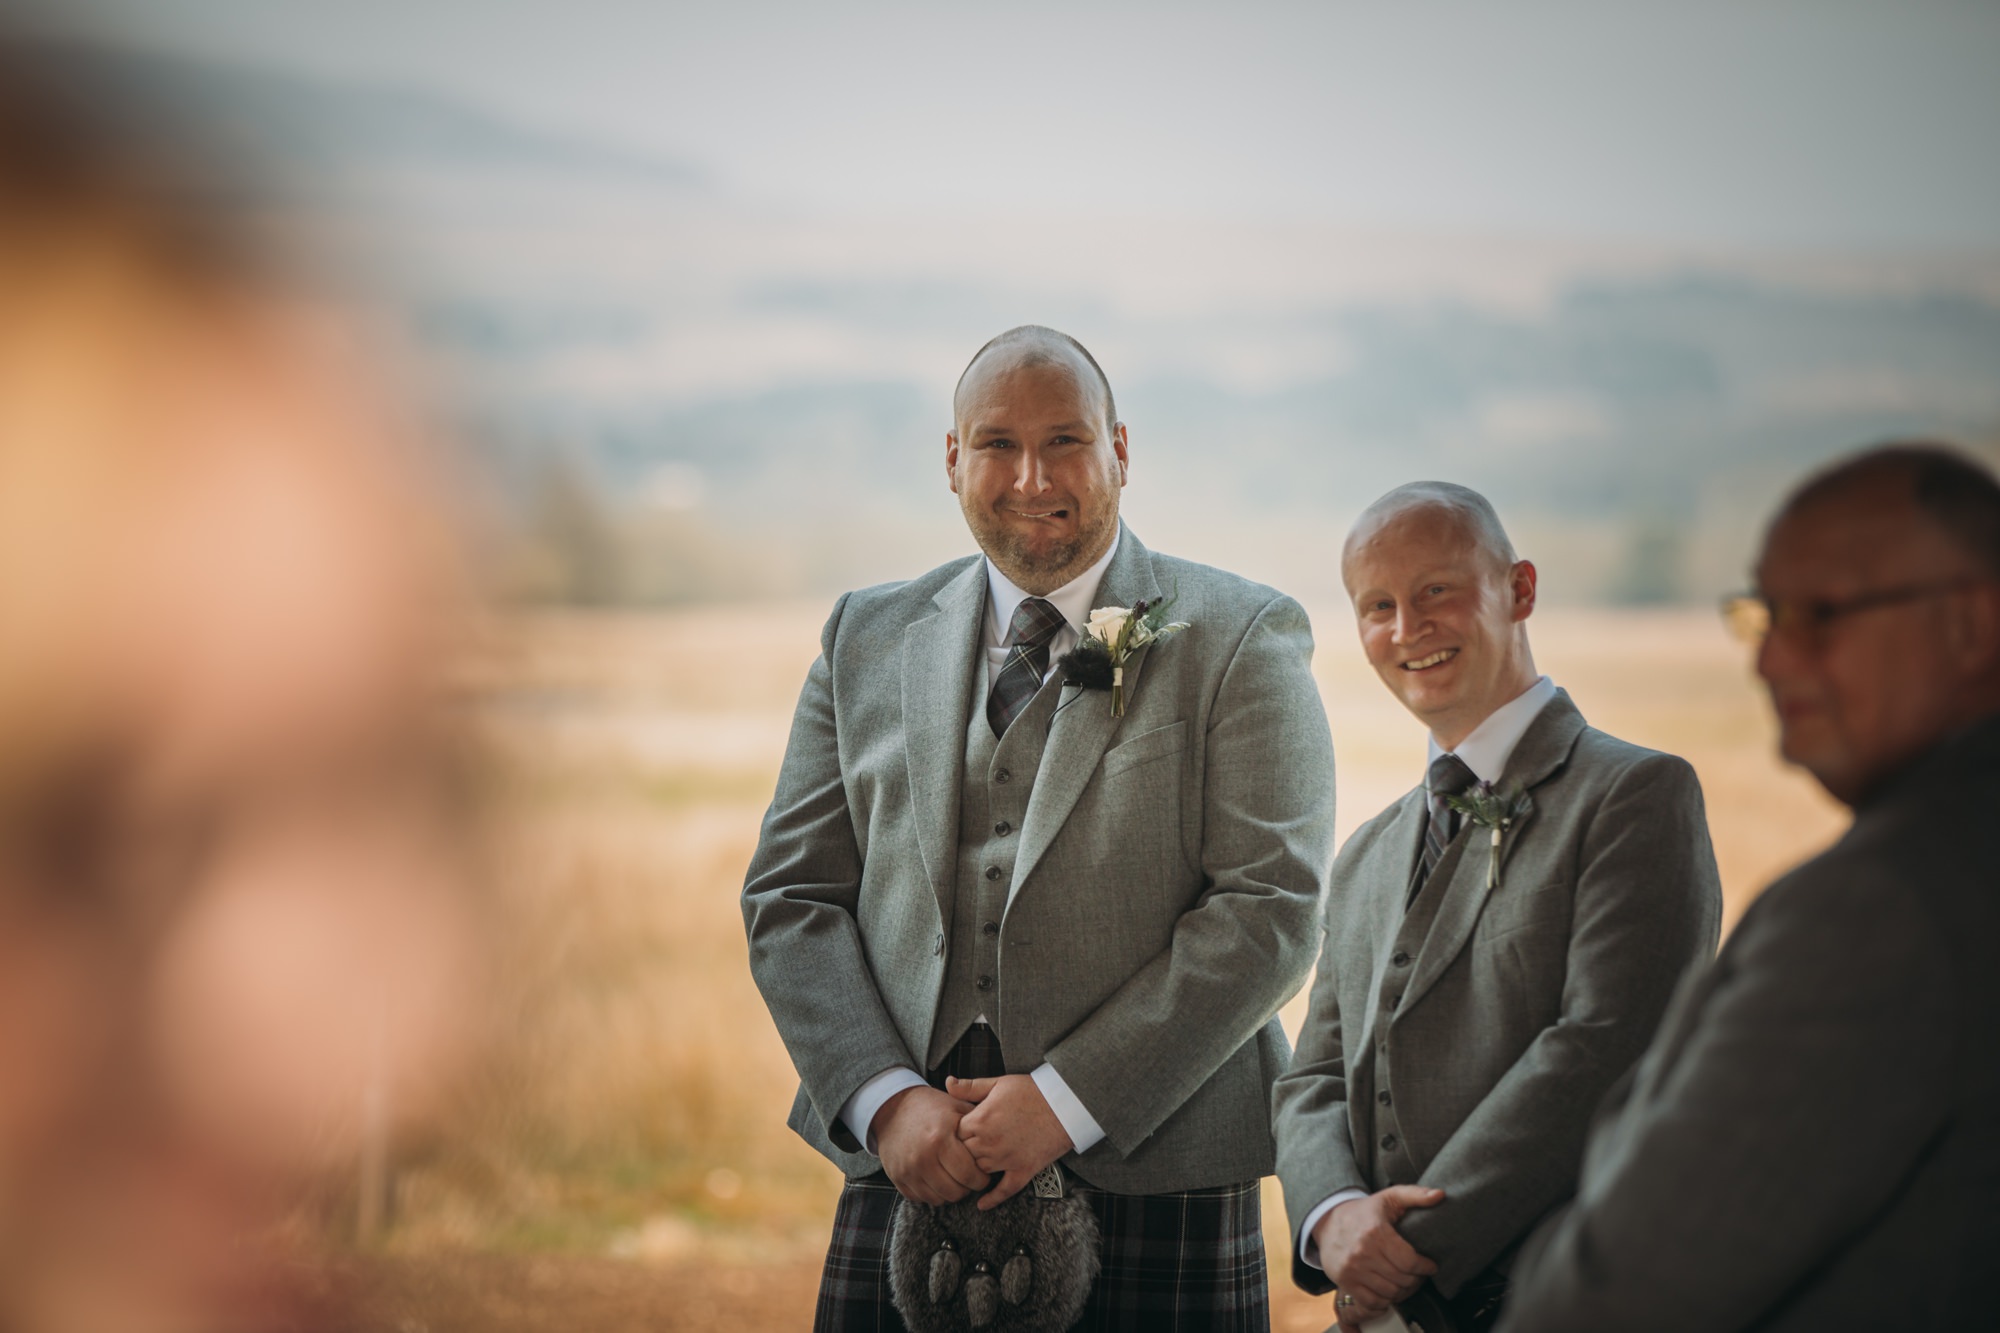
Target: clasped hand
1367, 1258
937, 1147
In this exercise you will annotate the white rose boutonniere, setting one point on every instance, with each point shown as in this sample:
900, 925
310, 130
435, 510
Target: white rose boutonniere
1109, 640
1106, 621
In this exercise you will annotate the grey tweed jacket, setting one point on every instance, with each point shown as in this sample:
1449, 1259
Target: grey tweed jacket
1490, 1036
1813, 1142
1167, 886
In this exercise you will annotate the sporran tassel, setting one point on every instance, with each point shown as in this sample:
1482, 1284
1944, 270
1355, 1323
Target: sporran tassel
982, 1296
1017, 1279
944, 1275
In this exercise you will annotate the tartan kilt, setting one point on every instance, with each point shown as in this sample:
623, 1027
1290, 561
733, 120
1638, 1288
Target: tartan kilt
1189, 1262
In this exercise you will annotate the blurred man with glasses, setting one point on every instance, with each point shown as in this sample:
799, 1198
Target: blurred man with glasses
1813, 1141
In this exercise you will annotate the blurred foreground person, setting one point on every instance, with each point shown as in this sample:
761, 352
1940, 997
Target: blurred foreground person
1490, 970
231, 924
1813, 1142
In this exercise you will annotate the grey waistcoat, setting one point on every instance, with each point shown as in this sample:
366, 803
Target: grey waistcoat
999, 778
1383, 1152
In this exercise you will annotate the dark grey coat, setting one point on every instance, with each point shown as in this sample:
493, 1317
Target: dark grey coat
1814, 1140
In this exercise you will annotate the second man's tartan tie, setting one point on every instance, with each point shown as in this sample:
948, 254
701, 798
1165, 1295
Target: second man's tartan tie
1449, 776
1033, 627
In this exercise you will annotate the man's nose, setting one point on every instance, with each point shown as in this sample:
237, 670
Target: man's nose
1410, 625
1030, 477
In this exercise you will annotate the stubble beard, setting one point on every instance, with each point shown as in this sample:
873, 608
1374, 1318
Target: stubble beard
1042, 571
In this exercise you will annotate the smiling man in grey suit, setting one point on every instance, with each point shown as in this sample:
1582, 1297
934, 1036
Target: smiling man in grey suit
1086, 922
1481, 987
1813, 1142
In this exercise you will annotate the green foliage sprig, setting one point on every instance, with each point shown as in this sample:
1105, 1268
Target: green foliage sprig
1497, 809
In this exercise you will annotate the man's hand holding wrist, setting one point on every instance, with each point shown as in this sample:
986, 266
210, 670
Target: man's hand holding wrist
1012, 1131
916, 1136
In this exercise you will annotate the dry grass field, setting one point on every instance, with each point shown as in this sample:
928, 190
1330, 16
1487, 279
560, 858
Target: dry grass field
619, 1158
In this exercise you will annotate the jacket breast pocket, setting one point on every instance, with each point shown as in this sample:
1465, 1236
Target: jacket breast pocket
1521, 945
1147, 748
1511, 909
1127, 824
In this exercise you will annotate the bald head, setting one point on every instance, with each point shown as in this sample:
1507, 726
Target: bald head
1036, 457
1442, 605
1033, 345
1470, 511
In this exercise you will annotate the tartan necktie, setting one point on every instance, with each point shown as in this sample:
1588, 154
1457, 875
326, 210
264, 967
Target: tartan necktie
1449, 776
1028, 636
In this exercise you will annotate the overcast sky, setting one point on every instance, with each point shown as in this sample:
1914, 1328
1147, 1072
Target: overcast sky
1766, 123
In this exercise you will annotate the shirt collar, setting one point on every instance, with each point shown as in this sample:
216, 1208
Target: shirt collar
1073, 599
1491, 744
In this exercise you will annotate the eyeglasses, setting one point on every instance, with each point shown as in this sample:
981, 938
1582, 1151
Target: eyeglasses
1753, 617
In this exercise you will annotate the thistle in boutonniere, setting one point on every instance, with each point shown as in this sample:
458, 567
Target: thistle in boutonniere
1109, 640
1493, 809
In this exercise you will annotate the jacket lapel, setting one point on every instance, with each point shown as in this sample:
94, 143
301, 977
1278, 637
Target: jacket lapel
940, 661
1081, 731
1377, 910
1541, 753
1395, 862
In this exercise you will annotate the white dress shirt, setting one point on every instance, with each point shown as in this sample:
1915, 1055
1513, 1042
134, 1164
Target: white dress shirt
1003, 598
1486, 752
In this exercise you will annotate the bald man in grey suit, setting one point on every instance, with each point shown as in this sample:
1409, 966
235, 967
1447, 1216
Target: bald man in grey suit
1482, 985
1000, 924
1813, 1142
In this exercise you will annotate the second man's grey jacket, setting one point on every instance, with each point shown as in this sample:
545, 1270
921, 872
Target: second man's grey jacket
1463, 1041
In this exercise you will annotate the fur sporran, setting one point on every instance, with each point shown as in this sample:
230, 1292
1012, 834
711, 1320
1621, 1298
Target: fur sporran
1024, 1267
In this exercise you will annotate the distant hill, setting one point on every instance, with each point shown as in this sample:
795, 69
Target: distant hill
1645, 426
674, 392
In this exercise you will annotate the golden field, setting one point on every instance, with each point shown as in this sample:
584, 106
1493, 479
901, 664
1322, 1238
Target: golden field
623, 1131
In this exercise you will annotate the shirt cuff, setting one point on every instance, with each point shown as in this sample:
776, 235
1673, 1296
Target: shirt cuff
859, 1113
1082, 1127
1308, 1248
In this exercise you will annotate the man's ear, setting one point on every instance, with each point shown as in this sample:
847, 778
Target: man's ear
1118, 447
951, 459
1521, 580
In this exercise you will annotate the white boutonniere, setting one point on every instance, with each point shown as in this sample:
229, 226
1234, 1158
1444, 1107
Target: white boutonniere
1497, 810
1109, 640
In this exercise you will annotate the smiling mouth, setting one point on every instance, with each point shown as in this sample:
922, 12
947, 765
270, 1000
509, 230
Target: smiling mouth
1437, 658
1039, 513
